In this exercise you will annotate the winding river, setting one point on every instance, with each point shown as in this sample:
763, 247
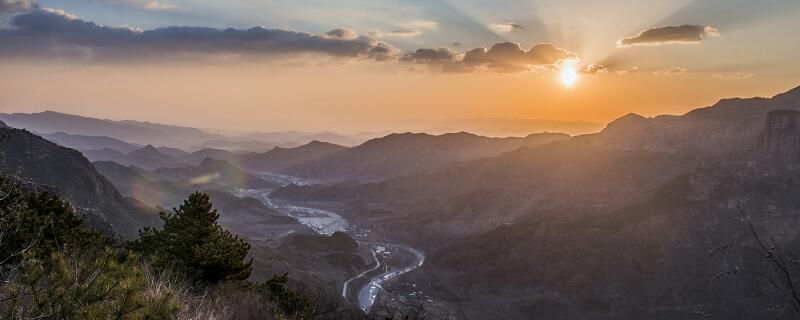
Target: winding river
327, 222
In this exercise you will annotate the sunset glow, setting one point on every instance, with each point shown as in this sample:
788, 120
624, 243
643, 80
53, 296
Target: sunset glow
312, 66
568, 75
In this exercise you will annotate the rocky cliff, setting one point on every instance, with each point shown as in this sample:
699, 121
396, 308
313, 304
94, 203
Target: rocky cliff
782, 137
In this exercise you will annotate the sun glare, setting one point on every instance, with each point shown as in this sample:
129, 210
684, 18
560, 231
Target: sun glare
568, 74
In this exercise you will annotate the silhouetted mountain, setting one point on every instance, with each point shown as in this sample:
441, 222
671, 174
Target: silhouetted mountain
213, 171
131, 131
504, 127
301, 137
172, 152
730, 125
246, 145
106, 155
82, 143
280, 159
276, 160
198, 156
33, 158
408, 153
150, 158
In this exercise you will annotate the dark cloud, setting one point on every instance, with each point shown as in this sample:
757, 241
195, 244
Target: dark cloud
670, 34
342, 34
501, 57
13, 6
431, 56
511, 57
54, 33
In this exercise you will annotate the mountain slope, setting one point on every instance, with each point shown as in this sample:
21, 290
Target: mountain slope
408, 153
31, 157
647, 260
281, 159
729, 126
80, 142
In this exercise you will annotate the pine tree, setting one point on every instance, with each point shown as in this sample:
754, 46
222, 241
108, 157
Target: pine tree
192, 241
40, 223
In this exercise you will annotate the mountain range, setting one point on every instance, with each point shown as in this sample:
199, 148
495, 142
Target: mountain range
32, 158
649, 218
669, 217
402, 154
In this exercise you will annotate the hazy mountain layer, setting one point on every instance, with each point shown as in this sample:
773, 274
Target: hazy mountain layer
33, 158
408, 153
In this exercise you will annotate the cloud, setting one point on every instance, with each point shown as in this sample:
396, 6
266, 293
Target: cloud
672, 71
421, 25
505, 27
141, 4
670, 34
501, 57
54, 33
511, 57
595, 68
404, 33
431, 56
342, 34
733, 76
13, 6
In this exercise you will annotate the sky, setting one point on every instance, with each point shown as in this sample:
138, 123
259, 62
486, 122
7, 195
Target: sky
365, 65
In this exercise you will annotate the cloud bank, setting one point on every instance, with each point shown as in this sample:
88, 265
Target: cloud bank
501, 57
55, 33
670, 34
44, 33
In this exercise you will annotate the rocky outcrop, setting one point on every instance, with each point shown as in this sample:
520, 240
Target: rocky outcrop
782, 137
728, 127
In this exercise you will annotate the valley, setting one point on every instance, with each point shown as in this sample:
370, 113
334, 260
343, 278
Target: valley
390, 260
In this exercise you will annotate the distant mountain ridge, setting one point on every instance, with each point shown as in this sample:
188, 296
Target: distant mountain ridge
130, 131
407, 153
82, 143
33, 158
276, 160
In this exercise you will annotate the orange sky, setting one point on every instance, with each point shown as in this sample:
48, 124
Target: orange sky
350, 99
356, 66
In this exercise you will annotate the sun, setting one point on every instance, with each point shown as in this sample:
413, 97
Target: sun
568, 74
